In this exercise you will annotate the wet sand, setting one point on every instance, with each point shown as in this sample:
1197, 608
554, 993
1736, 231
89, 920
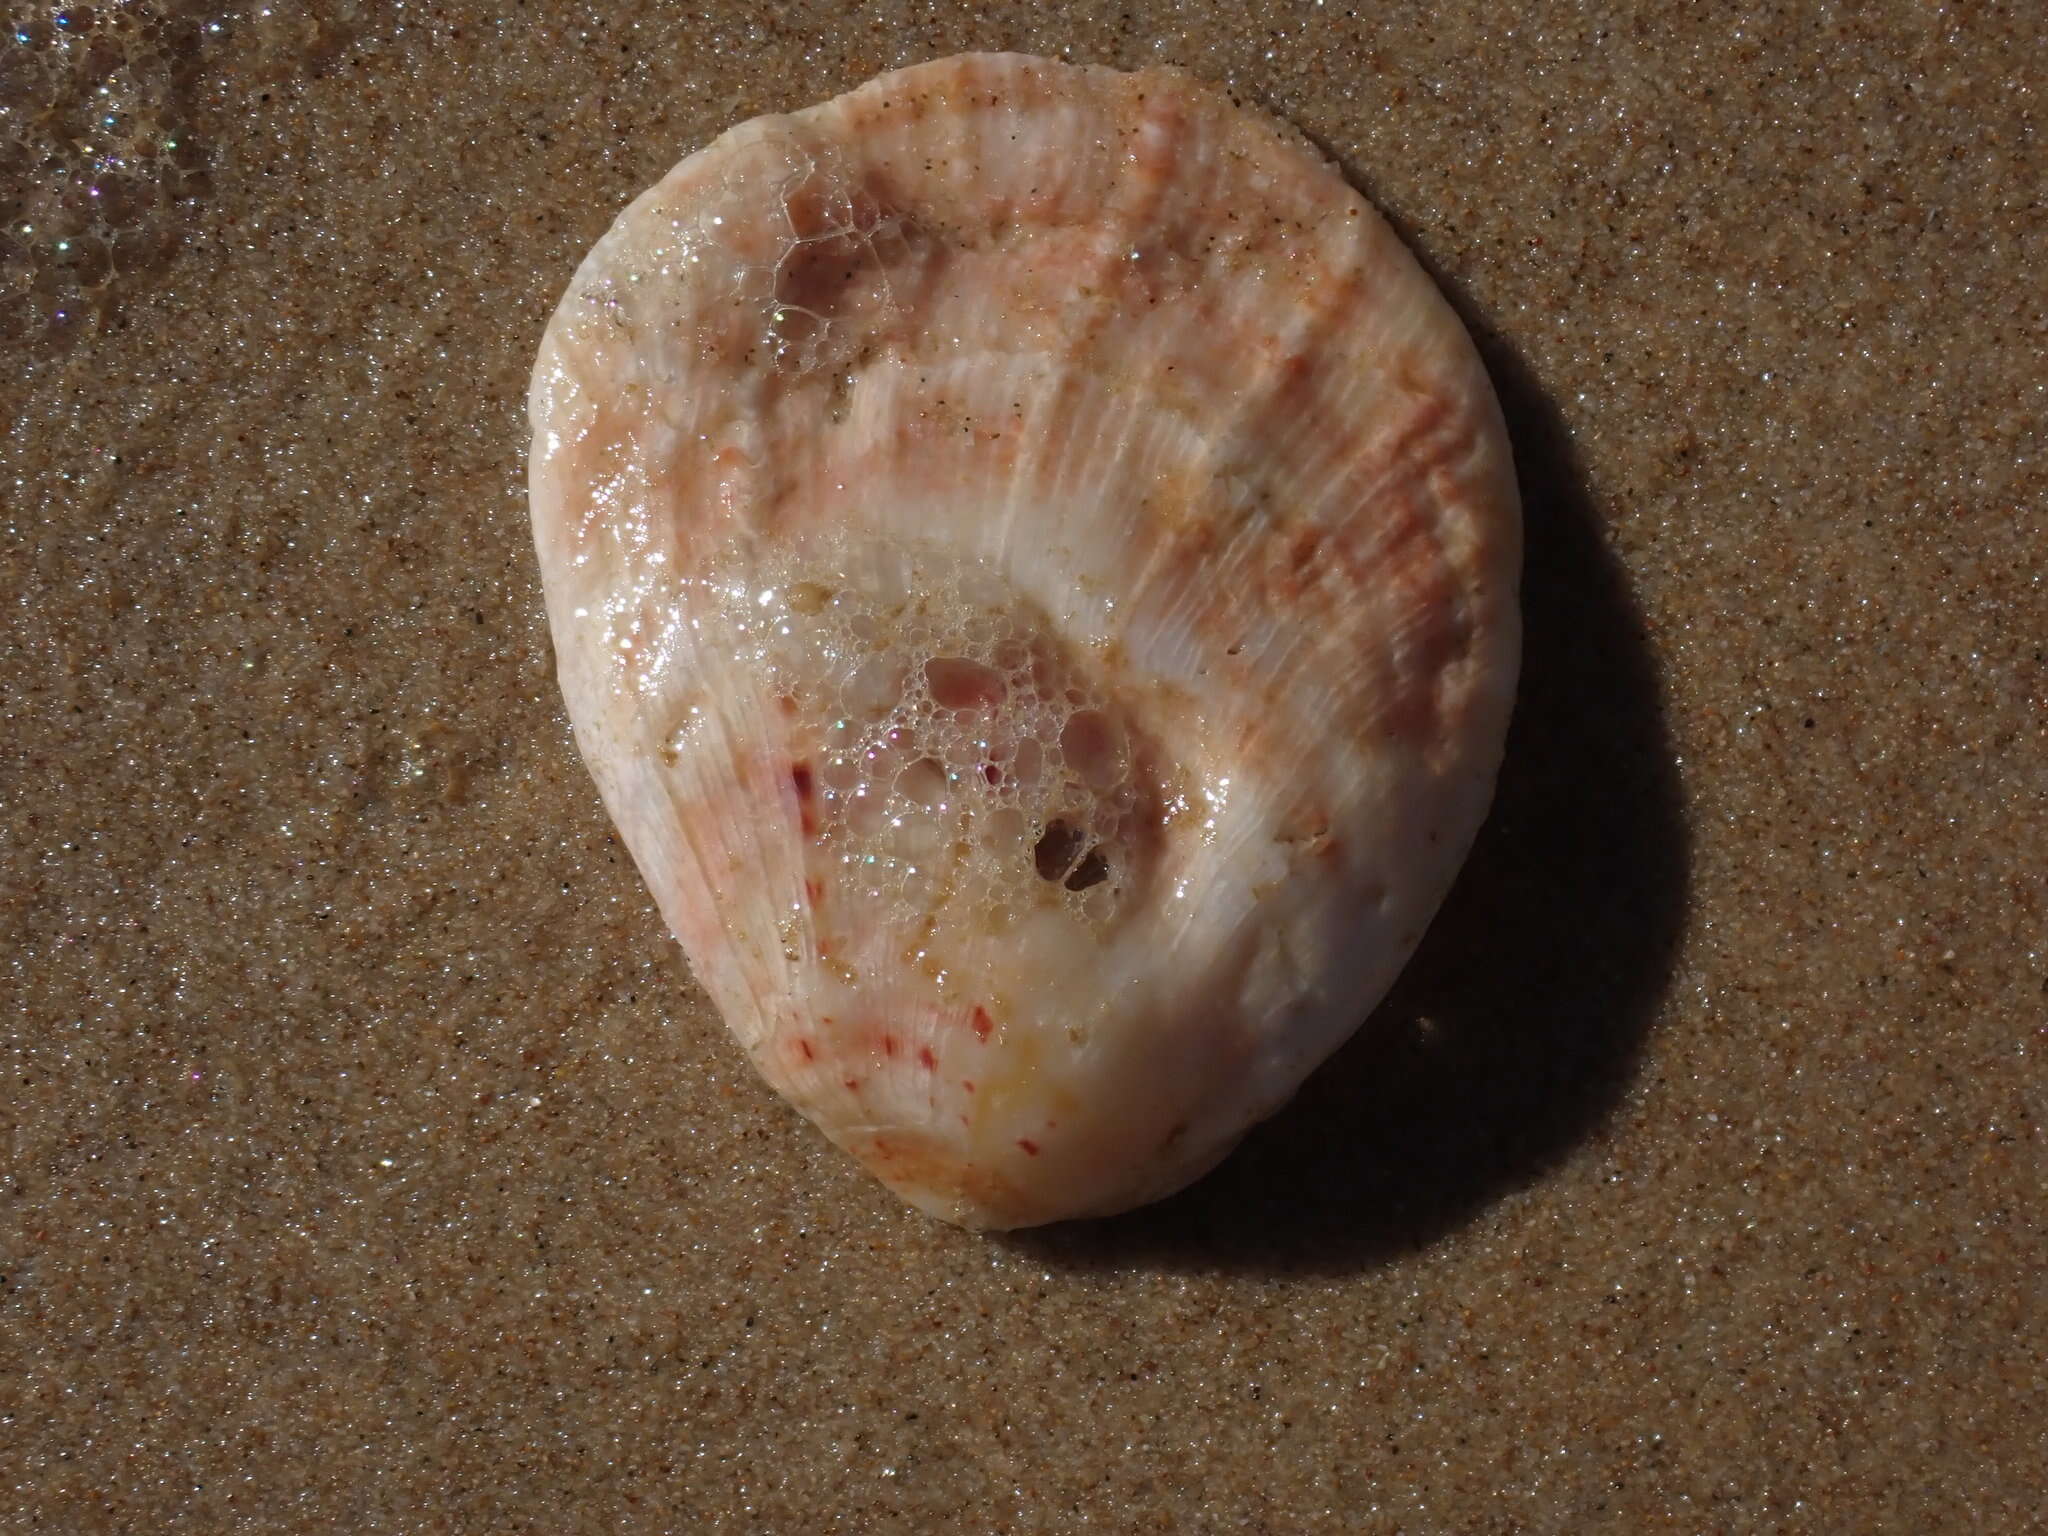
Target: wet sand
372, 1162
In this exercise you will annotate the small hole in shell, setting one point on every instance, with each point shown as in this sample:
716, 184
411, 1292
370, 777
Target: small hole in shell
1092, 870
1057, 848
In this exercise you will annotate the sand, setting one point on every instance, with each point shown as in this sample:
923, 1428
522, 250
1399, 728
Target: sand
371, 1161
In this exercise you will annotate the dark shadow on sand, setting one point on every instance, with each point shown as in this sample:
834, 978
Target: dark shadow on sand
1517, 1026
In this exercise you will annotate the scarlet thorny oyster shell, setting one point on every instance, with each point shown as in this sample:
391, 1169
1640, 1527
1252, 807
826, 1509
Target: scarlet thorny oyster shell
1032, 564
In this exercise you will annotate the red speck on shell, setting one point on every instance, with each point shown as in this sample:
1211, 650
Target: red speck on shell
800, 780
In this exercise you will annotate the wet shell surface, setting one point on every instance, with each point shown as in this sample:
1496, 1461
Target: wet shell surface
1032, 563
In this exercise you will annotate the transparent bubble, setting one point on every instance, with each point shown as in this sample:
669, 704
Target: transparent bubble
961, 747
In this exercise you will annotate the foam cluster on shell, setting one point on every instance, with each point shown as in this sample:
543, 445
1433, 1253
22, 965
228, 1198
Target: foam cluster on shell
1032, 566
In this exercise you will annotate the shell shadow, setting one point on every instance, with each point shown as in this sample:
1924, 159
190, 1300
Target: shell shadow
1517, 1026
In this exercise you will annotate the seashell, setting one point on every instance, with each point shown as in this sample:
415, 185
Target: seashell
1032, 561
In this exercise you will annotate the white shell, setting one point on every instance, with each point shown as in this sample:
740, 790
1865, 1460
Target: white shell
1032, 564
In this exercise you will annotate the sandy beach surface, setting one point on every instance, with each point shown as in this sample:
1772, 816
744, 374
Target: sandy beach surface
369, 1160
